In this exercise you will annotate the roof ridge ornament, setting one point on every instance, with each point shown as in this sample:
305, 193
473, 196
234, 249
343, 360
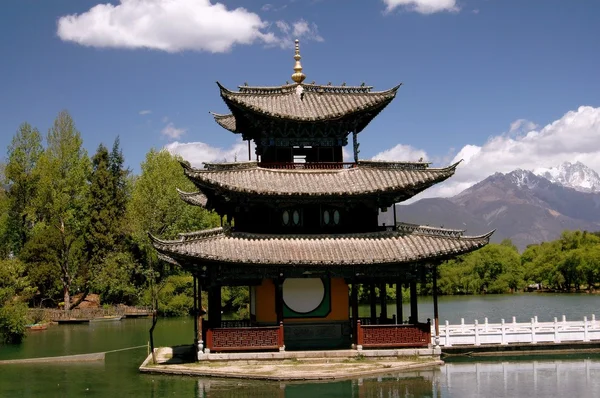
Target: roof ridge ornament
298, 76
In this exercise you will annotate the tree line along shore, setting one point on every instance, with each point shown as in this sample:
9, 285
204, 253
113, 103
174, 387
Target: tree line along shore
71, 225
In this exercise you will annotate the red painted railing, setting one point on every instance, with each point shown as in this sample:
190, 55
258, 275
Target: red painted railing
245, 338
307, 166
393, 336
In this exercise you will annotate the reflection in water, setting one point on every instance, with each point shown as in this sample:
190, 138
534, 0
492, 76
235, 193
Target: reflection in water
408, 384
547, 378
554, 378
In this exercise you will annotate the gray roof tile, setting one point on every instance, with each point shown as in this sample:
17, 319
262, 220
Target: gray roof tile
388, 247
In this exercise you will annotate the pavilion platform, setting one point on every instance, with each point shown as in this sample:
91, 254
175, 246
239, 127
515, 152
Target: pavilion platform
290, 365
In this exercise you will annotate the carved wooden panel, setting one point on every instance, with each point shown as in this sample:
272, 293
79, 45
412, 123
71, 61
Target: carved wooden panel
244, 338
394, 336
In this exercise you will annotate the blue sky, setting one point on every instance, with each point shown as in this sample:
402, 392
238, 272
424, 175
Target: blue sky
146, 69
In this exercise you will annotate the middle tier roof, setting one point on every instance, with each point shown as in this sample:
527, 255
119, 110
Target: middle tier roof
388, 181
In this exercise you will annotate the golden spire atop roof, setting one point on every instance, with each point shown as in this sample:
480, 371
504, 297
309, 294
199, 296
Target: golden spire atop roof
298, 76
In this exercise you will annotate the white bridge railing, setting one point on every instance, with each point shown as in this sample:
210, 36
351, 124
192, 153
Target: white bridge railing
524, 332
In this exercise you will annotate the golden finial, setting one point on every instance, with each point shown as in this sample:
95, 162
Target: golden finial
298, 76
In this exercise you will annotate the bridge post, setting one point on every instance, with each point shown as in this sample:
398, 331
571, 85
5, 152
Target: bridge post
556, 334
533, 331
503, 333
585, 329
447, 343
477, 332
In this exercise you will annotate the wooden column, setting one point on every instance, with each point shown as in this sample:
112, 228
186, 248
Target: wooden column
200, 312
399, 314
414, 310
435, 303
373, 303
354, 306
279, 299
383, 301
195, 310
214, 306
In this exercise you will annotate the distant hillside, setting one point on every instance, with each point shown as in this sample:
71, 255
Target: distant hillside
520, 205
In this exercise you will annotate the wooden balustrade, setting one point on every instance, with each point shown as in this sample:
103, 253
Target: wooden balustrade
394, 336
245, 338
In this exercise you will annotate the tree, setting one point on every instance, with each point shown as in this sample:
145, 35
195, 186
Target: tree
111, 265
64, 169
156, 207
14, 292
4, 243
22, 181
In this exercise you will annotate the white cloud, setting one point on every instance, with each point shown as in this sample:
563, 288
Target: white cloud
145, 112
172, 132
198, 152
573, 137
402, 153
422, 6
522, 126
175, 25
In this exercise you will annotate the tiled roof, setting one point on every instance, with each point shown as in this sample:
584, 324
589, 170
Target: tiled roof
193, 198
387, 247
366, 178
226, 121
306, 102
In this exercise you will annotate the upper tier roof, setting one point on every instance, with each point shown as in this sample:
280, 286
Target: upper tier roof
411, 244
400, 181
304, 102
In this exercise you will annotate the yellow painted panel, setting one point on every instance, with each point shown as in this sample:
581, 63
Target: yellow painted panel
265, 302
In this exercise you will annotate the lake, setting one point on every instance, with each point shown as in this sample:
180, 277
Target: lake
118, 376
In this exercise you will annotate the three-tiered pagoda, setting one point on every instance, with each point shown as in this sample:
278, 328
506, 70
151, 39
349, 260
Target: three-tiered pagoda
301, 225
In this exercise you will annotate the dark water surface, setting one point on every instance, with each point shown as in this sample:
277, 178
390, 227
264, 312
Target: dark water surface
117, 375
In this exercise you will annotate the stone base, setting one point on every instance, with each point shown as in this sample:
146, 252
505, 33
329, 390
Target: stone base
293, 365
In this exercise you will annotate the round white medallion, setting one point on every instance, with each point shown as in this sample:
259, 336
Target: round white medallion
303, 295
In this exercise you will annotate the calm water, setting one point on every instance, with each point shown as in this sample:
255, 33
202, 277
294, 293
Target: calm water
117, 376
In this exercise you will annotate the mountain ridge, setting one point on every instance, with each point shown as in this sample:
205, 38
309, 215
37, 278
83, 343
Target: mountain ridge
521, 205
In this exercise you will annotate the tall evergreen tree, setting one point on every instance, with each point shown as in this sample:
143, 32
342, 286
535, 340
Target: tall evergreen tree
120, 175
21, 180
100, 234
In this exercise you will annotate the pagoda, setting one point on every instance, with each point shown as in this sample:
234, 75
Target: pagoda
300, 226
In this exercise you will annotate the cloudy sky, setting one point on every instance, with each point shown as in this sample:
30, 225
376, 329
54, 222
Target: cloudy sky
501, 84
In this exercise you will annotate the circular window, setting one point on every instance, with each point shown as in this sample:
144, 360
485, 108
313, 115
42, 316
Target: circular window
326, 217
336, 217
303, 295
296, 217
286, 217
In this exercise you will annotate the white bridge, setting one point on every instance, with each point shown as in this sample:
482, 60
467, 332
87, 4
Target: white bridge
558, 331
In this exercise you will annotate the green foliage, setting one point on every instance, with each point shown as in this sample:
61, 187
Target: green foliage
156, 207
565, 264
494, 269
22, 179
15, 290
61, 200
175, 296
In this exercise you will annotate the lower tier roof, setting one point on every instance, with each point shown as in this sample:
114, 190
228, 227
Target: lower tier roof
409, 245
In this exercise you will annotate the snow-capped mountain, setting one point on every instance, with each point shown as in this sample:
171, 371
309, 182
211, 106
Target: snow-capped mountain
523, 178
573, 175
